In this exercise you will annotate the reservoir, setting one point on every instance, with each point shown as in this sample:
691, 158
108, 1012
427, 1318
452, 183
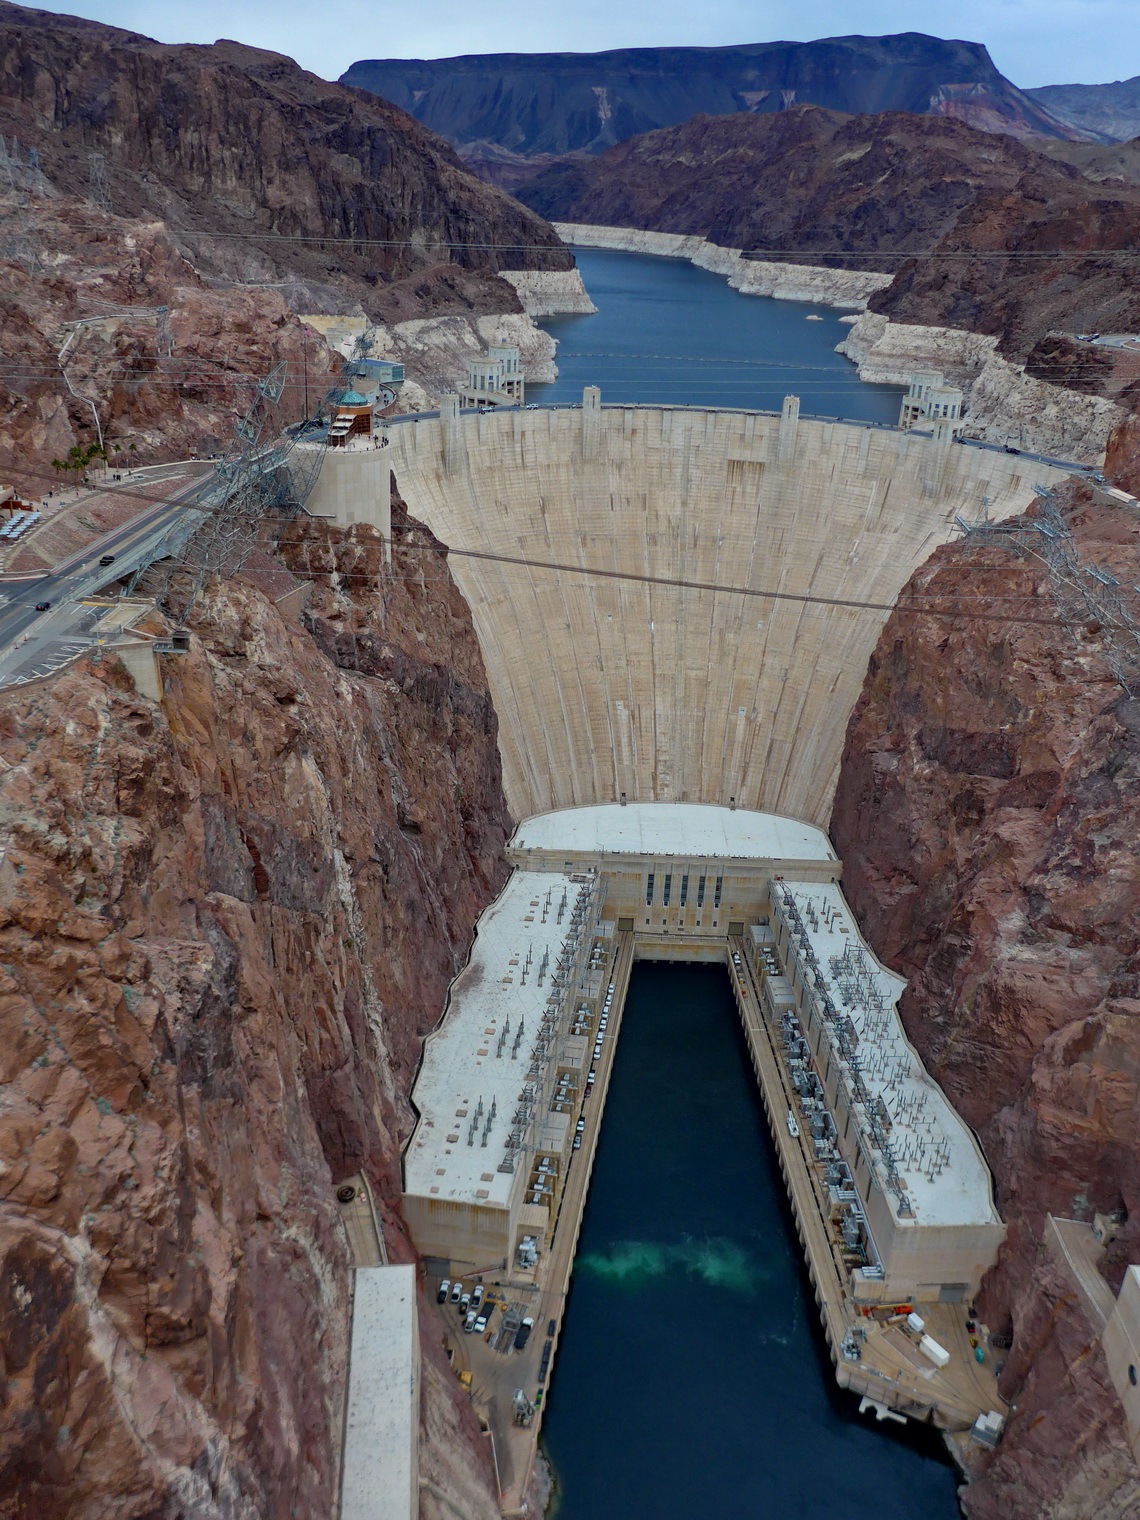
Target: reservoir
668, 333
692, 1378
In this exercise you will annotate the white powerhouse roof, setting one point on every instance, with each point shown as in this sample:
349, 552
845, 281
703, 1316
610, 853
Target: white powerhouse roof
462, 1064
947, 1179
693, 830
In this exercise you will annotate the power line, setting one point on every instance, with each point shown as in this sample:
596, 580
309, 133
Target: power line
751, 255
677, 582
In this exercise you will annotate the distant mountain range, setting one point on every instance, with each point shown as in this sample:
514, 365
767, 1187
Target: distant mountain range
505, 111
1108, 111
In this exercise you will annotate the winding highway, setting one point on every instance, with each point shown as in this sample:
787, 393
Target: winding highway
35, 642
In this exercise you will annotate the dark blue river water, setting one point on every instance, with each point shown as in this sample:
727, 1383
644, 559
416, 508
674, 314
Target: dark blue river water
667, 332
692, 1379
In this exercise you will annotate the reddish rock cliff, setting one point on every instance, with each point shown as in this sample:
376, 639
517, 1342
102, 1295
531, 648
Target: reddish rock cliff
987, 815
226, 924
253, 161
159, 395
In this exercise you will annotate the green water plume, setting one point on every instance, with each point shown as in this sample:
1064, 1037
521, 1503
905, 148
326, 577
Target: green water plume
719, 1262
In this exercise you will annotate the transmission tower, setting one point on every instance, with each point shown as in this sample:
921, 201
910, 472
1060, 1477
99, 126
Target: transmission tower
9, 161
255, 478
98, 190
19, 181
164, 336
1082, 593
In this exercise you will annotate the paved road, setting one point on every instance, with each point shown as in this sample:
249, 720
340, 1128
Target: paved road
31, 642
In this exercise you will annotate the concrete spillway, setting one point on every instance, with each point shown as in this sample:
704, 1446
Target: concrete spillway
608, 686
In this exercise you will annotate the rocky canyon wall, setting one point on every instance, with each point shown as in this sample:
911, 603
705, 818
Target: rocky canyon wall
255, 163
227, 922
987, 813
241, 191
1003, 404
92, 289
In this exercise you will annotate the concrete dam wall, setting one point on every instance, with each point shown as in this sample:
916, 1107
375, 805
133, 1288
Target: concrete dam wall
608, 687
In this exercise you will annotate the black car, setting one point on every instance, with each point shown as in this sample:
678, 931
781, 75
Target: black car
105, 560
43, 606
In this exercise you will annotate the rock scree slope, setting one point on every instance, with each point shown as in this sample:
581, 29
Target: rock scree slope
226, 924
987, 812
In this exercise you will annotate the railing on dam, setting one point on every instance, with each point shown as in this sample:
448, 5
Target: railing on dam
742, 411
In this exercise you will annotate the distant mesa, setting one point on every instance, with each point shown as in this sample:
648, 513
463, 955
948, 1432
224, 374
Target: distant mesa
502, 110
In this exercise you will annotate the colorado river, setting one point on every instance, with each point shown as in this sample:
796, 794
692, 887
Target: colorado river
668, 332
692, 1378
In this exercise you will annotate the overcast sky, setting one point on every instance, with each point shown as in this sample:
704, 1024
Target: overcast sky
1032, 41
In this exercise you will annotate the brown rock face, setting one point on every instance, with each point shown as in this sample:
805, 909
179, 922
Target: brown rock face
156, 399
987, 814
226, 924
252, 161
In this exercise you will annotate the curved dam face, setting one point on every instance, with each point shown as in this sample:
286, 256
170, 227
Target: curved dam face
609, 687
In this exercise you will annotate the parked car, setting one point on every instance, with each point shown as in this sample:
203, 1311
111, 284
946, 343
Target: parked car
470, 1321
464, 1305
580, 1126
551, 1327
441, 1296
477, 1296
456, 1291
480, 1324
577, 1146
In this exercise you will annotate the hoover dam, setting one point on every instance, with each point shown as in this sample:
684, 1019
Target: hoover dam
675, 608
714, 643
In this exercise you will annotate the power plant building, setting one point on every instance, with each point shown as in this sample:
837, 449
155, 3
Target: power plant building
485, 1163
904, 1182
909, 1187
